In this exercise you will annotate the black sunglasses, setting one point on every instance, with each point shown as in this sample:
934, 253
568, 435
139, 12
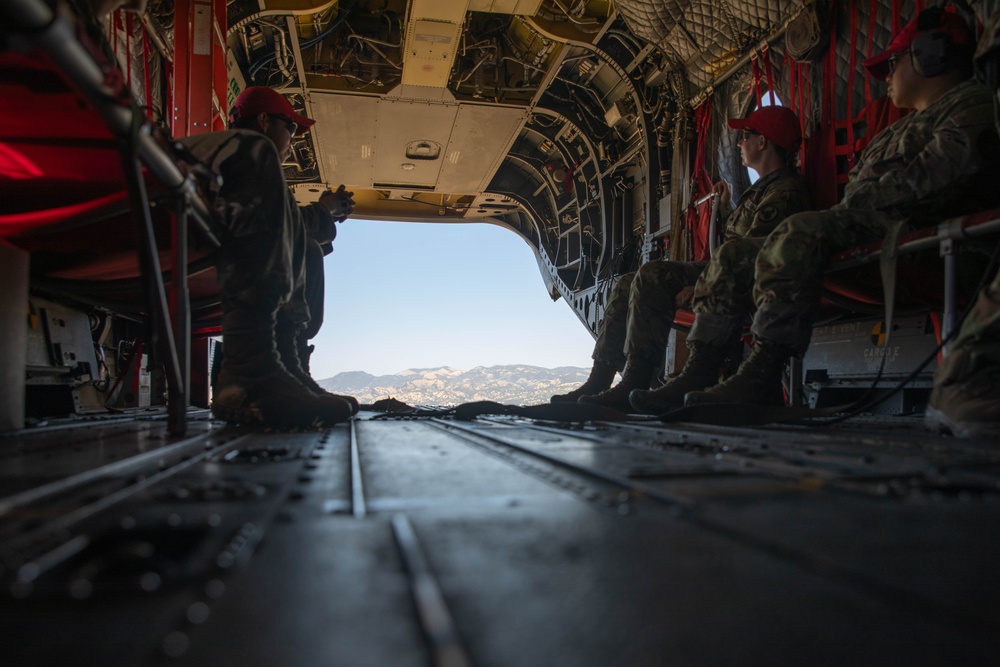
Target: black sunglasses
745, 134
292, 126
895, 58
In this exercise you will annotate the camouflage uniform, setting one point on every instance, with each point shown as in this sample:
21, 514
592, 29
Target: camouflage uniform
269, 240
929, 165
966, 395
976, 344
641, 307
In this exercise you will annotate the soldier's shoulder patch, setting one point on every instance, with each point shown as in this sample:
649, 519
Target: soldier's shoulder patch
769, 212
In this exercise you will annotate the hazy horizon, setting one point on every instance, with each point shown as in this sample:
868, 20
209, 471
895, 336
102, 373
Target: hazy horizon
428, 295
522, 384
452, 368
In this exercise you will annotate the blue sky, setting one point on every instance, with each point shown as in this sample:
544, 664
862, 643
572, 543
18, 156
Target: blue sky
412, 295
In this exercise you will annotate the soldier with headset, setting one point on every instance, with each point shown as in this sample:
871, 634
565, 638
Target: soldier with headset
932, 164
966, 396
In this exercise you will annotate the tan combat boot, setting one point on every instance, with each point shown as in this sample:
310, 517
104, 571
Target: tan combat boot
966, 396
295, 353
701, 370
637, 375
601, 377
758, 381
254, 388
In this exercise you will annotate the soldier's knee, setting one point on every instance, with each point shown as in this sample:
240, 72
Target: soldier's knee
735, 250
650, 269
623, 284
798, 231
652, 274
807, 222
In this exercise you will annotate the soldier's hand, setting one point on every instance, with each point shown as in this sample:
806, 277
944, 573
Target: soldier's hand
340, 204
724, 191
684, 297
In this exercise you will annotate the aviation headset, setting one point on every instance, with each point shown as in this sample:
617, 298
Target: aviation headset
932, 52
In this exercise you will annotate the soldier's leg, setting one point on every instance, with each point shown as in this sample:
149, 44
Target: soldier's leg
788, 279
966, 395
301, 320
609, 349
789, 270
652, 304
723, 294
260, 267
721, 302
651, 308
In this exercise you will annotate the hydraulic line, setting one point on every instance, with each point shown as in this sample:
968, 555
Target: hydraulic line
341, 17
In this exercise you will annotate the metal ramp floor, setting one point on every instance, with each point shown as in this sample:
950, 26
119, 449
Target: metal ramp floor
499, 542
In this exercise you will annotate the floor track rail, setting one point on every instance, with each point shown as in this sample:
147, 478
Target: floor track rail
687, 510
90, 509
358, 507
629, 485
434, 615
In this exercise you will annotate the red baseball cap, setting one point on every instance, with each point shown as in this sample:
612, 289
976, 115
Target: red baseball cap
779, 125
258, 99
953, 25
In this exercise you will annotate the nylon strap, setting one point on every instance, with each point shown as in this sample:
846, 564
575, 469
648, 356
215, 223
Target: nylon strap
872, 12
793, 84
128, 50
851, 69
765, 53
145, 71
703, 122
756, 77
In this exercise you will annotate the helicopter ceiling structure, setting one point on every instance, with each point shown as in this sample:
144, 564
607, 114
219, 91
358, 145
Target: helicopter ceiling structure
550, 118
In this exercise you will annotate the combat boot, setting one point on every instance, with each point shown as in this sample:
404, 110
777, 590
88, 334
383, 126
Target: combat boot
701, 370
295, 353
637, 375
254, 388
966, 397
758, 381
601, 377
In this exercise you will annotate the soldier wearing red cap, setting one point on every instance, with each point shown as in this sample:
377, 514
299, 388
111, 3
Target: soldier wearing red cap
966, 395
932, 164
270, 268
633, 333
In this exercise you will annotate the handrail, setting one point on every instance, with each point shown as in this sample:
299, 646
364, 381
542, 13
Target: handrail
55, 36
954, 229
943, 236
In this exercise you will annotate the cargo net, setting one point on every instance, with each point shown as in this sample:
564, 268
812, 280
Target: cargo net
702, 38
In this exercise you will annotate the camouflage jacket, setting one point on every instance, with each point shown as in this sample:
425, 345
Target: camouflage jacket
228, 154
319, 224
933, 163
766, 203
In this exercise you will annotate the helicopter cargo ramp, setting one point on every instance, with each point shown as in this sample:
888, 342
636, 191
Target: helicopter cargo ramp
497, 541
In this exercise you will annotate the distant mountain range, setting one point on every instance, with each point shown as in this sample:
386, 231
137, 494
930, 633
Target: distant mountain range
516, 385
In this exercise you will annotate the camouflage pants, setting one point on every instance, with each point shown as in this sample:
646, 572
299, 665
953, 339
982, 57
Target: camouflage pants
262, 260
641, 307
789, 271
315, 293
977, 345
722, 295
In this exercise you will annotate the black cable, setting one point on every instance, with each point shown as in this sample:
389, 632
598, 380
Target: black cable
254, 68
